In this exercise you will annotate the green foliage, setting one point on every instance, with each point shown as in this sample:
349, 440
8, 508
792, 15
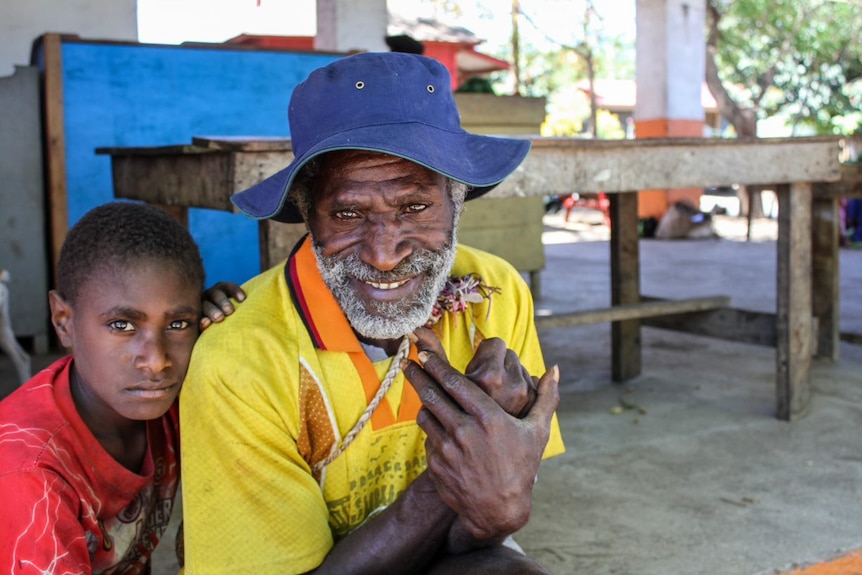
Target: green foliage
476, 86
609, 126
800, 59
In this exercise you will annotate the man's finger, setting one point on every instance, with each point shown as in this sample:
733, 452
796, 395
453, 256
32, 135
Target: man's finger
426, 340
431, 426
469, 396
433, 396
548, 397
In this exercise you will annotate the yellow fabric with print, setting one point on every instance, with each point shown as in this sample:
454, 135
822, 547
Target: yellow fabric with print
275, 388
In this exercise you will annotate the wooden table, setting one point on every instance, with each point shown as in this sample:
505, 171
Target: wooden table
207, 172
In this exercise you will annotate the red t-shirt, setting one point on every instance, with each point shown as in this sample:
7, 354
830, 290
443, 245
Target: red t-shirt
67, 505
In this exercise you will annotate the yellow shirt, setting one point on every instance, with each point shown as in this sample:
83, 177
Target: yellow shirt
275, 388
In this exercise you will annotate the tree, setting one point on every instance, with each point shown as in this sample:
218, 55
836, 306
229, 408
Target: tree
799, 59
590, 51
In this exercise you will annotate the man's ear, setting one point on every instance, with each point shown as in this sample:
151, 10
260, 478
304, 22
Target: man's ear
61, 317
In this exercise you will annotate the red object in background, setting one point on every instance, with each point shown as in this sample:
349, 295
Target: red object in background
284, 42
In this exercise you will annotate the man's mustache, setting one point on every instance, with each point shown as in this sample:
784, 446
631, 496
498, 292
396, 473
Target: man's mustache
412, 265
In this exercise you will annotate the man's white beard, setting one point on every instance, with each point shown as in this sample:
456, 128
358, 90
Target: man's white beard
388, 320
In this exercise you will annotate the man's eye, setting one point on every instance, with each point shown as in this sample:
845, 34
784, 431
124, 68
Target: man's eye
179, 324
416, 208
346, 215
122, 325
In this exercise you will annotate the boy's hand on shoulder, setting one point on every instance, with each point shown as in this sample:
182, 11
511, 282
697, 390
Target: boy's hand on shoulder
216, 304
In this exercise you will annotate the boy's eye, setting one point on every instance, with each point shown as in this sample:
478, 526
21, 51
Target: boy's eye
122, 325
179, 324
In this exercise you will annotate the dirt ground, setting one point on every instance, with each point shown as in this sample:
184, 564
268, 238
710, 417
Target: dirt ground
684, 470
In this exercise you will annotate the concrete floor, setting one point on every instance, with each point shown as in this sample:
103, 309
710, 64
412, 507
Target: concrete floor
685, 469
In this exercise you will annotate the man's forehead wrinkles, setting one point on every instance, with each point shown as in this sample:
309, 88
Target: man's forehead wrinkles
378, 180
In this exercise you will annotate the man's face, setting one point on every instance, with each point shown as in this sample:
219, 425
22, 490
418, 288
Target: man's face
384, 236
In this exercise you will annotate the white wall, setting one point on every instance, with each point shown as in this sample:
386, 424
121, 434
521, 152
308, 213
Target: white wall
22, 21
344, 25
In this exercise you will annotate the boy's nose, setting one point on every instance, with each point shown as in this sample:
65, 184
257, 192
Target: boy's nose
153, 354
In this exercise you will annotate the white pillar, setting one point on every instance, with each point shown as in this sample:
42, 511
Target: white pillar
670, 59
345, 25
671, 71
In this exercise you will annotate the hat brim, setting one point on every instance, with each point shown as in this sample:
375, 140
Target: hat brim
479, 161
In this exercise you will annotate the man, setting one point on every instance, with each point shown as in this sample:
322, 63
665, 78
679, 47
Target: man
308, 450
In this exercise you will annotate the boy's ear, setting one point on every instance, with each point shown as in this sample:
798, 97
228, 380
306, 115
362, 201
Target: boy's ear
61, 317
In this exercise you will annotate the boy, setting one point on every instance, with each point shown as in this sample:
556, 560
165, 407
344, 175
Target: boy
89, 447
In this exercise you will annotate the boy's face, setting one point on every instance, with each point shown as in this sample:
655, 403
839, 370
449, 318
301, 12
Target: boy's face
131, 331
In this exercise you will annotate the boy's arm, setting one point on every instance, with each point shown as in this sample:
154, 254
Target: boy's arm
40, 531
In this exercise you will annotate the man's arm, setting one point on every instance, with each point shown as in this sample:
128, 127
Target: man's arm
404, 538
483, 460
490, 488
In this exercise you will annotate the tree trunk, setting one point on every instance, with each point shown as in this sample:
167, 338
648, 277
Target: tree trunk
744, 120
516, 47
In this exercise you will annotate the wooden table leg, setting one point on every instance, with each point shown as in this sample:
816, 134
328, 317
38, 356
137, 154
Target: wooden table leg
794, 322
825, 286
276, 241
625, 285
179, 213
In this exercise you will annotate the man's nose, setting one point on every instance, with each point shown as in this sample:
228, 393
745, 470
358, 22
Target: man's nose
385, 245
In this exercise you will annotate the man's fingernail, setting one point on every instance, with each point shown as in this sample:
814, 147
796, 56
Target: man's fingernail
556, 374
404, 363
423, 357
412, 337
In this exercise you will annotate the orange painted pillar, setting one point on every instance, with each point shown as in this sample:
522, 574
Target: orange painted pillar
671, 69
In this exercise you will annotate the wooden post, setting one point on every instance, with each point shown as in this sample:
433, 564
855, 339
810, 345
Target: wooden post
55, 147
625, 285
179, 213
794, 322
825, 277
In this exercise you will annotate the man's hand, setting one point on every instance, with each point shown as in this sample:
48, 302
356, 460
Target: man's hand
496, 369
216, 304
482, 459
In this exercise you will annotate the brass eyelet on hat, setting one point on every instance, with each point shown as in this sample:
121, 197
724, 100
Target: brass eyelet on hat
430, 89
360, 84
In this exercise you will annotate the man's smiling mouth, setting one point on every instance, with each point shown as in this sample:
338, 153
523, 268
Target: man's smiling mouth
387, 285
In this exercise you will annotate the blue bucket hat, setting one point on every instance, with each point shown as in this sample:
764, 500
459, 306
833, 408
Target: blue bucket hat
389, 102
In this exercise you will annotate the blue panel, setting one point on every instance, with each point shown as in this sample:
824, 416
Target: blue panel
118, 95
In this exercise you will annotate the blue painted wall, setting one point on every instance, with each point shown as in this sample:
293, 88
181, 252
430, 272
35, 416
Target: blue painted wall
119, 95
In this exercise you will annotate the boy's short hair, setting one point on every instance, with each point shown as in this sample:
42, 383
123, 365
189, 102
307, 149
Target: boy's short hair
117, 234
